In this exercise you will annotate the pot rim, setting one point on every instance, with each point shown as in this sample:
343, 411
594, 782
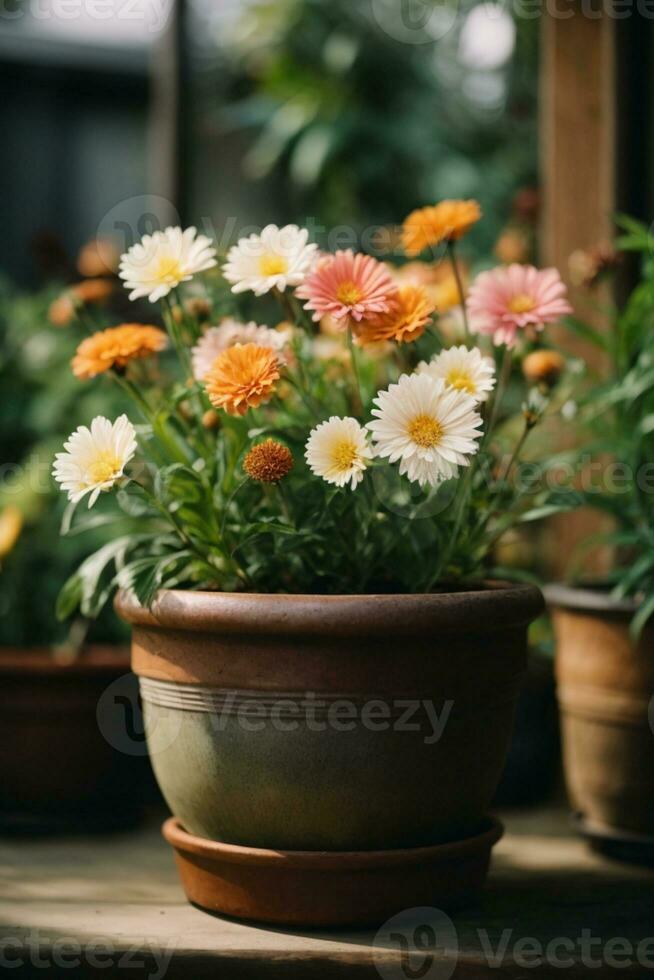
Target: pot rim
587, 598
172, 830
497, 605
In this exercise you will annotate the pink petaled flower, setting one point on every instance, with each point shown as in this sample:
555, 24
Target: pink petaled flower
345, 285
505, 300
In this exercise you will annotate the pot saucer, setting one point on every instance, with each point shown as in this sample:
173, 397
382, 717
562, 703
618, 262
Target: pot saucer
329, 888
624, 845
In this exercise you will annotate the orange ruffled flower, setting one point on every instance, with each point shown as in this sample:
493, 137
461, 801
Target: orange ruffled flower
115, 347
242, 377
447, 221
405, 321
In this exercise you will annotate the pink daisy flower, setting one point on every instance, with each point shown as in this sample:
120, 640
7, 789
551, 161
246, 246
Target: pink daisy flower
345, 285
505, 300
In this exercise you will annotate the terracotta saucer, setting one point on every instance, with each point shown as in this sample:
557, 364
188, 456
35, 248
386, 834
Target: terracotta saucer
329, 888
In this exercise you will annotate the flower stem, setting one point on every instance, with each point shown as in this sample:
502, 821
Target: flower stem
451, 253
357, 400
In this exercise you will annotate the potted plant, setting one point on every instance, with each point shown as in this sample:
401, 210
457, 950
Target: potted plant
604, 660
66, 694
327, 664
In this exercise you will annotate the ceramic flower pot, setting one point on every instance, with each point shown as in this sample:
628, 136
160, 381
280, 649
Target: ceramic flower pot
605, 690
63, 764
330, 723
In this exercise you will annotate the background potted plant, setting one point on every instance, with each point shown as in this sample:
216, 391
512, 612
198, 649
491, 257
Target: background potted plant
59, 769
604, 661
314, 510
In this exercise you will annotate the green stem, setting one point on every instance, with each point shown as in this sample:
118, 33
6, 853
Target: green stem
451, 252
502, 383
357, 400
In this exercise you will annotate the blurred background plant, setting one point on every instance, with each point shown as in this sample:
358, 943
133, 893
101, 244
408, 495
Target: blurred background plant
337, 116
42, 402
614, 420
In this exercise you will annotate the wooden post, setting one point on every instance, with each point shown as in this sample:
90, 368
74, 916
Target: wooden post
578, 141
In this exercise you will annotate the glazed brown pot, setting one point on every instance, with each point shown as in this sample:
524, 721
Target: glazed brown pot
330, 723
63, 764
605, 689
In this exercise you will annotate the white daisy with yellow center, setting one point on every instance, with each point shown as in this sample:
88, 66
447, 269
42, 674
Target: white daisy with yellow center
275, 259
466, 370
430, 427
95, 458
159, 262
338, 451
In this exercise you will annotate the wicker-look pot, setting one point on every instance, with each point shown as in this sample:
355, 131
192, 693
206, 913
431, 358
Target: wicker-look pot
337, 723
605, 690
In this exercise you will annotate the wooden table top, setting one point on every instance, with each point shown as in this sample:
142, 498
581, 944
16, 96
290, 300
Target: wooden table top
112, 906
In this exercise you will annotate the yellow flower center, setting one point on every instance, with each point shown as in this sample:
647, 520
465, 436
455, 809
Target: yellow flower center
461, 381
348, 293
168, 269
105, 466
521, 303
344, 455
426, 431
272, 265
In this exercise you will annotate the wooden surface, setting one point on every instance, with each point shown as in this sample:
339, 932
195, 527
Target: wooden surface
112, 906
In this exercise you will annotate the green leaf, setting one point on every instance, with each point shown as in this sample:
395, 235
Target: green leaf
645, 611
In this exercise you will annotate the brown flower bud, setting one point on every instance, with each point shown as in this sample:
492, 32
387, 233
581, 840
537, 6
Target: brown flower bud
210, 419
268, 462
61, 311
543, 367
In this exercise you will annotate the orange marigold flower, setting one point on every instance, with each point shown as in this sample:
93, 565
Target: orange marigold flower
447, 221
242, 377
405, 321
92, 290
268, 462
115, 347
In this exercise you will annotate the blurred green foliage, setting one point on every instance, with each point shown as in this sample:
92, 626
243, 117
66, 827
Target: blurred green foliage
352, 124
42, 404
616, 416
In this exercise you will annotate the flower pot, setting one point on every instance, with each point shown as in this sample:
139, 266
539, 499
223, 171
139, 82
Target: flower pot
63, 764
330, 723
605, 686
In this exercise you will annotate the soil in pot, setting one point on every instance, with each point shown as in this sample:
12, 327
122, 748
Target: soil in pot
70, 756
606, 690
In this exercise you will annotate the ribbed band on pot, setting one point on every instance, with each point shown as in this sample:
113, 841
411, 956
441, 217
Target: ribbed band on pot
291, 704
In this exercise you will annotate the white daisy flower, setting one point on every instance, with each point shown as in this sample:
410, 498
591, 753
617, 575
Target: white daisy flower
95, 458
275, 259
463, 369
428, 426
159, 262
338, 451
229, 332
